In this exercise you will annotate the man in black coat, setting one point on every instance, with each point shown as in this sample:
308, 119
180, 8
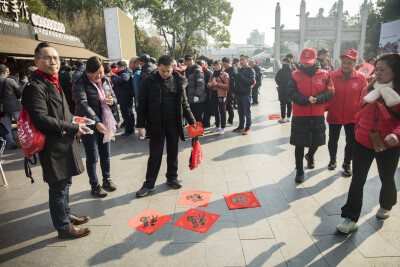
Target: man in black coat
232, 72
208, 108
282, 79
65, 79
195, 89
60, 158
162, 106
259, 76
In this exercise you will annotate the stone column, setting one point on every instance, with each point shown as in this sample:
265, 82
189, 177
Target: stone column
302, 26
336, 49
364, 17
277, 28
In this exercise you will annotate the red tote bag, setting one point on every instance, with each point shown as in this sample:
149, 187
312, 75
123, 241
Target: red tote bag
197, 154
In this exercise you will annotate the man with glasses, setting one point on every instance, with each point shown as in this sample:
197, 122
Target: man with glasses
60, 158
10, 93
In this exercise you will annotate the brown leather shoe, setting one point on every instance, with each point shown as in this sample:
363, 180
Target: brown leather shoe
238, 129
74, 232
78, 220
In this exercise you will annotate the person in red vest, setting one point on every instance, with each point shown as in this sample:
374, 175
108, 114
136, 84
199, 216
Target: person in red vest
377, 134
349, 84
310, 88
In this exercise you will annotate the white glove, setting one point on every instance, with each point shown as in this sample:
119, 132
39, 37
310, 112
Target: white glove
196, 99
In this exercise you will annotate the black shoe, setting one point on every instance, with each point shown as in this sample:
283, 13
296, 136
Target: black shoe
347, 169
332, 165
310, 162
108, 185
144, 190
98, 192
299, 177
206, 125
174, 184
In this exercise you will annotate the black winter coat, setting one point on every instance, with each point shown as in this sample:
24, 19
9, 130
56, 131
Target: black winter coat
122, 86
259, 75
232, 72
10, 95
149, 110
65, 81
87, 97
48, 111
78, 73
196, 84
147, 70
244, 80
282, 79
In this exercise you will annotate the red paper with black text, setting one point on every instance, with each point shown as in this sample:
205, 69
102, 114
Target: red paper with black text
367, 69
241, 200
274, 117
195, 130
148, 221
195, 198
197, 220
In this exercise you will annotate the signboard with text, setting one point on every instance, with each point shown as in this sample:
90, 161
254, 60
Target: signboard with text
390, 37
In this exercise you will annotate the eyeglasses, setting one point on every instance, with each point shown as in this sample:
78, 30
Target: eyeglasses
49, 58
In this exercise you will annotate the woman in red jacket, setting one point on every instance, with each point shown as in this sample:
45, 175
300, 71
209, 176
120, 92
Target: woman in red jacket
309, 88
349, 84
219, 85
377, 135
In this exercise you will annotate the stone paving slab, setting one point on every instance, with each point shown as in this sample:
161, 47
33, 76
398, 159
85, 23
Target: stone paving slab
295, 225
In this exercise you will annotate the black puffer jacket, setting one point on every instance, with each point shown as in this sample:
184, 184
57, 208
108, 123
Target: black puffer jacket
244, 80
149, 111
282, 79
65, 81
147, 70
87, 98
10, 95
232, 72
196, 84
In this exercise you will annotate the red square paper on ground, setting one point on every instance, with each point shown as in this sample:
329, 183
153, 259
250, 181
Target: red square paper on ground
241, 200
195, 198
197, 220
148, 221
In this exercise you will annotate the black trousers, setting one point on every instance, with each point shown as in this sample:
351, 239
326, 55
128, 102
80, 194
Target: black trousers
197, 110
156, 146
334, 134
254, 93
229, 107
299, 155
387, 162
286, 109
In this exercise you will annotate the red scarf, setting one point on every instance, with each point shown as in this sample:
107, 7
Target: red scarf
51, 78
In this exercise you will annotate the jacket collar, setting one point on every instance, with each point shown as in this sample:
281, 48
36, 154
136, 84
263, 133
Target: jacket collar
355, 74
51, 88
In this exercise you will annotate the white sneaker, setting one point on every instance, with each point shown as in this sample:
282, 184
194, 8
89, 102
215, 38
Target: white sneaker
216, 129
222, 131
347, 226
383, 213
282, 120
288, 119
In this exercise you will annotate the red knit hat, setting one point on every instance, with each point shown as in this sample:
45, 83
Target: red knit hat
308, 55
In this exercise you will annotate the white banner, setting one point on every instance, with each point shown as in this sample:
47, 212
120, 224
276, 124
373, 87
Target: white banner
390, 37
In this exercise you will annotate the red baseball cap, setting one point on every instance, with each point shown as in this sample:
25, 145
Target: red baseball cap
258, 62
351, 53
308, 55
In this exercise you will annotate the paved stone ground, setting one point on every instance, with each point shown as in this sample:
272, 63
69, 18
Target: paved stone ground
295, 225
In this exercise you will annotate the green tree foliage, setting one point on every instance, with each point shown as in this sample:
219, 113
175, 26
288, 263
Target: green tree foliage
179, 20
146, 44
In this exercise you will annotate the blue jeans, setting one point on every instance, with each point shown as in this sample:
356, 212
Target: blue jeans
59, 204
243, 106
128, 116
94, 147
7, 122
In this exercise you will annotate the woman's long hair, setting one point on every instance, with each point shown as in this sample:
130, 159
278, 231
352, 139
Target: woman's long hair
393, 61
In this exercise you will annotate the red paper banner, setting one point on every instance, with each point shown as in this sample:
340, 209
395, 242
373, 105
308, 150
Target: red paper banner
274, 117
366, 69
197, 220
241, 200
148, 221
195, 198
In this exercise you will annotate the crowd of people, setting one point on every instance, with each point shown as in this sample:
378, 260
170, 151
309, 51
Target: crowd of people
168, 94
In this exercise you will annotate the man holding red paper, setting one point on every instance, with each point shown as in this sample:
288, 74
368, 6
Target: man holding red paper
162, 106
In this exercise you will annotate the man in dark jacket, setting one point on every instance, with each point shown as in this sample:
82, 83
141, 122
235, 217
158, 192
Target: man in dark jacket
162, 106
122, 89
65, 79
282, 79
60, 158
148, 68
208, 108
322, 57
244, 81
256, 88
232, 72
10, 93
79, 70
195, 89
